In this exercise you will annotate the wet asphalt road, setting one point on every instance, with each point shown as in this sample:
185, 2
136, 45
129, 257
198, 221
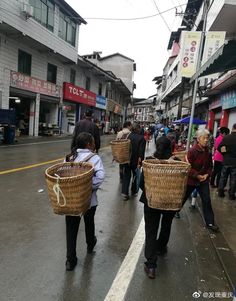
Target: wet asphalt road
32, 241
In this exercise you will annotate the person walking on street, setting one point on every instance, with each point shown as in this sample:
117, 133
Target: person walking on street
200, 159
83, 150
218, 158
154, 246
124, 134
88, 126
227, 148
138, 145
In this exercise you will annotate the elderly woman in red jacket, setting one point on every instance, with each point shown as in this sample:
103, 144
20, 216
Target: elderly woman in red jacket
200, 159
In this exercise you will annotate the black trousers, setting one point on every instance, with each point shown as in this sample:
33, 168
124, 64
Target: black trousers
72, 227
216, 173
152, 244
128, 170
228, 171
204, 192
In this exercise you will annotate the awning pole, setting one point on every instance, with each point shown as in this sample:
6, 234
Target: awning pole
199, 59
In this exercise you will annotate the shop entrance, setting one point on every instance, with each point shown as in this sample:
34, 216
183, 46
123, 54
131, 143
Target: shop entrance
48, 118
22, 108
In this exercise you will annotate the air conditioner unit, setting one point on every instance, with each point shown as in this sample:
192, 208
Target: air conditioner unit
27, 10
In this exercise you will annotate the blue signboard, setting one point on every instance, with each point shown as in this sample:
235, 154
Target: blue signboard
228, 99
101, 102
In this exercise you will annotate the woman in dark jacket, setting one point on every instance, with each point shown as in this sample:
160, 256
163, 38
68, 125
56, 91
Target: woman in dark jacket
156, 246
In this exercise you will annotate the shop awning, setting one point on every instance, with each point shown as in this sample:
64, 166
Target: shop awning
224, 59
186, 120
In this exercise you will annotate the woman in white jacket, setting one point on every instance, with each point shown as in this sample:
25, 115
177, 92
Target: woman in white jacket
84, 151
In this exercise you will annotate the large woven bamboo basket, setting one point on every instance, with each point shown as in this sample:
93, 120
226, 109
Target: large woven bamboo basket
165, 183
70, 187
121, 150
181, 155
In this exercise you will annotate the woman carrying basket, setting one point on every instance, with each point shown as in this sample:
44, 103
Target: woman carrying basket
154, 246
84, 147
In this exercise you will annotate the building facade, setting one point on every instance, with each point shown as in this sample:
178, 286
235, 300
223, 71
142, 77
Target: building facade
37, 41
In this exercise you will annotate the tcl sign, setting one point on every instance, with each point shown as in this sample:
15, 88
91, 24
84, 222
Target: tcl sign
78, 94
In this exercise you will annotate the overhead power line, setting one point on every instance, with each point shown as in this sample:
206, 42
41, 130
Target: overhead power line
139, 18
160, 13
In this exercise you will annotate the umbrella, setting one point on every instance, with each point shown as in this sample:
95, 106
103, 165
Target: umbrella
186, 120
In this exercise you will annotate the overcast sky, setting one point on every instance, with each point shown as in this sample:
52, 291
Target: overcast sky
144, 40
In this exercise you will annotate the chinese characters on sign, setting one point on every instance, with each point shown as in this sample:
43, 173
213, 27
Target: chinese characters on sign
214, 40
190, 42
78, 94
21, 81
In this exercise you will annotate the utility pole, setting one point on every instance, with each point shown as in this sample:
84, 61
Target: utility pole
181, 96
204, 18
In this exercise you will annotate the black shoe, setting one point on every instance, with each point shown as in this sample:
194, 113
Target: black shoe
221, 193
213, 186
232, 197
91, 247
192, 207
177, 215
70, 264
151, 272
213, 228
162, 252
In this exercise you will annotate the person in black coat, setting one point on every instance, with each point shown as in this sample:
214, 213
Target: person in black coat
156, 246
227, 148
88, 126
138, 145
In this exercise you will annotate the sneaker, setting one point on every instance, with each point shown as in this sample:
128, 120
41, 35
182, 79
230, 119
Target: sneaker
232, 197
71, 264
91, 247
213, 228
125, 196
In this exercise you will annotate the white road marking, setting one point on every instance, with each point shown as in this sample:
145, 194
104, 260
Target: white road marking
124, 276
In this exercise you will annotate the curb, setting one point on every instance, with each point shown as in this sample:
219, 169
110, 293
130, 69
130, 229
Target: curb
224, 253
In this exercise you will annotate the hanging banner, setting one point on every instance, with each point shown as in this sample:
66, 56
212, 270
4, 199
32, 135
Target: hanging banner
214, 40
190, 42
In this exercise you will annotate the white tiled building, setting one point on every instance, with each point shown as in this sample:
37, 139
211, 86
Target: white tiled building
38, 38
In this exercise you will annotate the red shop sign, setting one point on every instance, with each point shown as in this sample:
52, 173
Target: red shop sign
22, 81
78, 94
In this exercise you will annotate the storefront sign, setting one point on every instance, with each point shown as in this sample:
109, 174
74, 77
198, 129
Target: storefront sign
214, 40
25, 82
101, 102
78, 94
228, 99
190, 42
216, 103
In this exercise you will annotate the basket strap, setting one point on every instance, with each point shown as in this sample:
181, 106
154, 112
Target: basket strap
88, 157
57, 190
